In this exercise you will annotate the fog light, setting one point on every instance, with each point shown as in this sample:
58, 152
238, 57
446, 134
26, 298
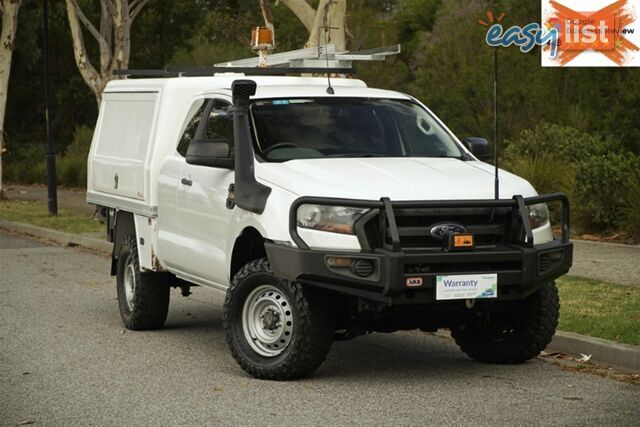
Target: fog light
362, 267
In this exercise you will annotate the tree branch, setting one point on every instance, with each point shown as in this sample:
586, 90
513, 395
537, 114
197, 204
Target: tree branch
85, 21
303, 11
136, 6
106, 24
88, 72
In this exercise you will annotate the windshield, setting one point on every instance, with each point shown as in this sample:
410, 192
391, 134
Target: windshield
288, 129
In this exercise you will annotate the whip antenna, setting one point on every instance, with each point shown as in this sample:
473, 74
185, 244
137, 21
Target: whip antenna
326, 28
495, 123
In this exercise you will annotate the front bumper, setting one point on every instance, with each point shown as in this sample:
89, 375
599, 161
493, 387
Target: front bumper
521, 271
521, 267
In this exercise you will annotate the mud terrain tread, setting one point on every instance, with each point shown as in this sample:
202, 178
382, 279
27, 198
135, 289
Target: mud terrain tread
540, 326
151, 297
313, 323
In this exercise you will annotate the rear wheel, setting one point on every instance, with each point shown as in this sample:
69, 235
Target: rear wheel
276, 329
143, 298
512, 333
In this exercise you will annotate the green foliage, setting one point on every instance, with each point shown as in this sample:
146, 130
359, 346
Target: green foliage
24, 164
602, 187
545, 171
563, 142
631, 210
72, 171
451, 70
72, 166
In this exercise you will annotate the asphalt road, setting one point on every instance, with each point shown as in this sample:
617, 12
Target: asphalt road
609, 262
66, 360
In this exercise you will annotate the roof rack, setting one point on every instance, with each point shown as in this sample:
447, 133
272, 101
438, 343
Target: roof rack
324, 56
316, 60
177, 71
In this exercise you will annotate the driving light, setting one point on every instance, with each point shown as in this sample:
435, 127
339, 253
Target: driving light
334, 219
538, 215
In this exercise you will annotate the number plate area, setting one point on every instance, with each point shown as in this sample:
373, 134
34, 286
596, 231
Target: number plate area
466, 286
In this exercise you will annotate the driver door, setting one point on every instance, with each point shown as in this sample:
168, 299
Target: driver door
201, 197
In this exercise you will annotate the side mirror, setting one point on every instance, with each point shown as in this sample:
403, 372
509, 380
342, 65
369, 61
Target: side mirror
479, 147
210, 152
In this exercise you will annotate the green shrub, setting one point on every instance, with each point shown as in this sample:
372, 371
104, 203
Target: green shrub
72, 171
564, 142
602, 188
72, 166
25, 164
545, 172
81, 141
631, 211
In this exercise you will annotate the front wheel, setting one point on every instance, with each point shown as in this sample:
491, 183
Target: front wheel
275, 329
514, 332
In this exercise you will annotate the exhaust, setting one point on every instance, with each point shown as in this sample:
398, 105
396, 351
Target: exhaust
249, 193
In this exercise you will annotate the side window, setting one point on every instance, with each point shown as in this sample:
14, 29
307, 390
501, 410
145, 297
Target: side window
189, 132
220, 122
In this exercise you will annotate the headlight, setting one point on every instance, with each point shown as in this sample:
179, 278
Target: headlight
335, 219
538, 215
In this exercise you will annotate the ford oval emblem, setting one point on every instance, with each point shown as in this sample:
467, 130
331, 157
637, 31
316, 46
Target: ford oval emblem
438, 231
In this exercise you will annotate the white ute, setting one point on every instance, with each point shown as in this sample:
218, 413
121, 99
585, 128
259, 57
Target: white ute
323, 213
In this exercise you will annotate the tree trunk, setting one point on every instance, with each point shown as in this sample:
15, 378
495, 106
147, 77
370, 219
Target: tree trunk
326, 24
9, 10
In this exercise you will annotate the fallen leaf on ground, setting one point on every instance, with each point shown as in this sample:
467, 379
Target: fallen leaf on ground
584, 357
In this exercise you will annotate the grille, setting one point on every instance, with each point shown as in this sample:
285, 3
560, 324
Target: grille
490, 226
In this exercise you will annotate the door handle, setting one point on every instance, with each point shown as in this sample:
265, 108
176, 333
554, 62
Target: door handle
186, 181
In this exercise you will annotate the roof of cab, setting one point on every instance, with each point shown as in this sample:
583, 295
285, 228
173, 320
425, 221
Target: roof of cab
268, 86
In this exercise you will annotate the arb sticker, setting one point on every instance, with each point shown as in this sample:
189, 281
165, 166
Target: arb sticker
414, 282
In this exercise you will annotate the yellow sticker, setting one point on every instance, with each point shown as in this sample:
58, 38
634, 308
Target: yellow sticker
463, 241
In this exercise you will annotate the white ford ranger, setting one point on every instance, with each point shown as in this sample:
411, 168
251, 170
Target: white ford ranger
323, 213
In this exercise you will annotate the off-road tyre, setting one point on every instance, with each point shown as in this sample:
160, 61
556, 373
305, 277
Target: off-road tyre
312, 333
523, 339
150, 303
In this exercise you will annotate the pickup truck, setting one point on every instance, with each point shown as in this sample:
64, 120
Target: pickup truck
323, 213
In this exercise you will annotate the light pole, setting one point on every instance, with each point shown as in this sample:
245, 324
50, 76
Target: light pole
52, 195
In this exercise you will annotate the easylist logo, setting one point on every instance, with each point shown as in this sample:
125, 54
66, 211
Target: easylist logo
592, 33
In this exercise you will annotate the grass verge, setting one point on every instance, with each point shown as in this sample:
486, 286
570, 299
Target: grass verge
598, 309
36, 213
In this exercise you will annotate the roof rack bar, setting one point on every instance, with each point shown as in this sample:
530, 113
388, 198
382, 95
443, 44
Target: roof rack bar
284, 58
174, 71
145, 73
321, 60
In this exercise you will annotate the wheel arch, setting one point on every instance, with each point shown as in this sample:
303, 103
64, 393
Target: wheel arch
124, 225
248, 246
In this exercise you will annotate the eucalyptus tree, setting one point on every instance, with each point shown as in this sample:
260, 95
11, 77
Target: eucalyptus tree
112, 34
9, 10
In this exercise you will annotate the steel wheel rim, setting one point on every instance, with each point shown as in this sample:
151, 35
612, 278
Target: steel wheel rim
267, 321
129, 285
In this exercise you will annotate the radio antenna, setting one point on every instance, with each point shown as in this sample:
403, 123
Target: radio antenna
495, 122
326, 28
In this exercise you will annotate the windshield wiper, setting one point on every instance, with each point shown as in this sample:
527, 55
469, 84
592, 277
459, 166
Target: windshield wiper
359, 155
